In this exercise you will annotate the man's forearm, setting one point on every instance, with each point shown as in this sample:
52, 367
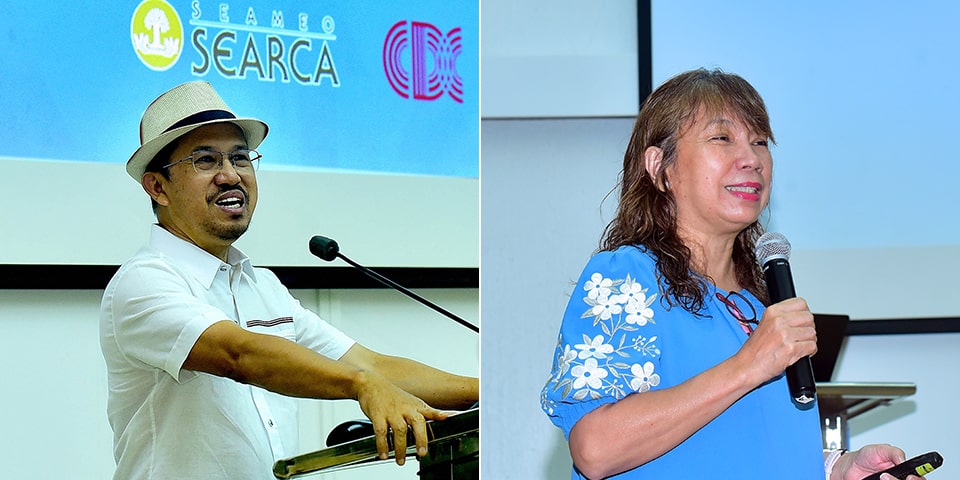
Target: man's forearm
273, 363
438, 388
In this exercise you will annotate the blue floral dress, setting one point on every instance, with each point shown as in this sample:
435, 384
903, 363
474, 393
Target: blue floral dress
620, 337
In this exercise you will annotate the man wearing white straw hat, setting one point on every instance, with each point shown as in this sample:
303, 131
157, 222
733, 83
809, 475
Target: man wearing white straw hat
204, 352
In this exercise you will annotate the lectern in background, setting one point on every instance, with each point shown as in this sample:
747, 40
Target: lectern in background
839, 402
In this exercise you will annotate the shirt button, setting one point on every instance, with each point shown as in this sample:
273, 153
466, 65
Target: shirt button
270, 422
223, 268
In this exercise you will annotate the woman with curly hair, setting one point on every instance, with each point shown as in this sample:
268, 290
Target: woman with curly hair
670, 359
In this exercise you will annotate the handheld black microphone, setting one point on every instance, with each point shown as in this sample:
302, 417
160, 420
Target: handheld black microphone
327, 249
773, 252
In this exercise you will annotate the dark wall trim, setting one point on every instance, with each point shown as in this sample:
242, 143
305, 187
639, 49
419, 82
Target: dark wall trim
903, 326
95, 277
349, 277
644, 50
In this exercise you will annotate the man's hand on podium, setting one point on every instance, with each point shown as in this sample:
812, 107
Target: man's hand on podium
392, 410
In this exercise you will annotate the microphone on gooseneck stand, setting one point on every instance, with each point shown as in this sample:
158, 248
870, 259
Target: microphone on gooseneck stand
327, 249
773, 252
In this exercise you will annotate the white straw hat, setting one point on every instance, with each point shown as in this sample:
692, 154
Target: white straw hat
177, 112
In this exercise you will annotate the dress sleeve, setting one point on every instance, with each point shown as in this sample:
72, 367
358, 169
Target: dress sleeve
608, 343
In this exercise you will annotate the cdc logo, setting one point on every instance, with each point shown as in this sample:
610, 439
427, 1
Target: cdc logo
432, 59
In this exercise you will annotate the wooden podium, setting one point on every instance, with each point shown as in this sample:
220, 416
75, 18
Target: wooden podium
839, 402
454, 453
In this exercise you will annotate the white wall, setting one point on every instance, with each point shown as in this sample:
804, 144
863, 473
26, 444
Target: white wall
558, 58
860, 94
54, 389
63, 208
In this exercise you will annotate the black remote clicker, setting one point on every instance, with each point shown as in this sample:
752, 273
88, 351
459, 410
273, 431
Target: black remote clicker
919, 465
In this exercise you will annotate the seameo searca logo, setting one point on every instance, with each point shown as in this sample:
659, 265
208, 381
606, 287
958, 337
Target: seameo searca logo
157, 34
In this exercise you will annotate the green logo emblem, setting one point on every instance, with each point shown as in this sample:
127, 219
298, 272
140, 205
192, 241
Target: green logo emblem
157, 34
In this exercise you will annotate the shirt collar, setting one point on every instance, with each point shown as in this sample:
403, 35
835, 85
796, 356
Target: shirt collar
194, 260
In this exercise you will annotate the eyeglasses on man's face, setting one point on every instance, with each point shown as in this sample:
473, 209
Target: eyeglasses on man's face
211, 161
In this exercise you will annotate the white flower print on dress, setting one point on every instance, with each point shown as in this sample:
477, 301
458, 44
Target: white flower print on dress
607, 306
636, 303
588, 374
566, 357
598, 286
643, 378
609, 359
594, 348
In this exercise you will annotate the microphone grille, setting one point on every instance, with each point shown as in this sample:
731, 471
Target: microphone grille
772, 245
325, 248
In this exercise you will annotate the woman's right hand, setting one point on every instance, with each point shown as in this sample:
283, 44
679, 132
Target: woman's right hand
786, 333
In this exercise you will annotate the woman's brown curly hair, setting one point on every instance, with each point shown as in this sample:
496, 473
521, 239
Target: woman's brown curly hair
647, 215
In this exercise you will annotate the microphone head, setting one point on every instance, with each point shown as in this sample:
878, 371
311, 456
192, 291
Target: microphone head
772, 245
323, 247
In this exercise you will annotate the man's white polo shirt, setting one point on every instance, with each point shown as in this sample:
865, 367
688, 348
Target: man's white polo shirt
174, 423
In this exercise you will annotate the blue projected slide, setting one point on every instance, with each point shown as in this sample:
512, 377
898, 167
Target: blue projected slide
385, 87
373, 111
